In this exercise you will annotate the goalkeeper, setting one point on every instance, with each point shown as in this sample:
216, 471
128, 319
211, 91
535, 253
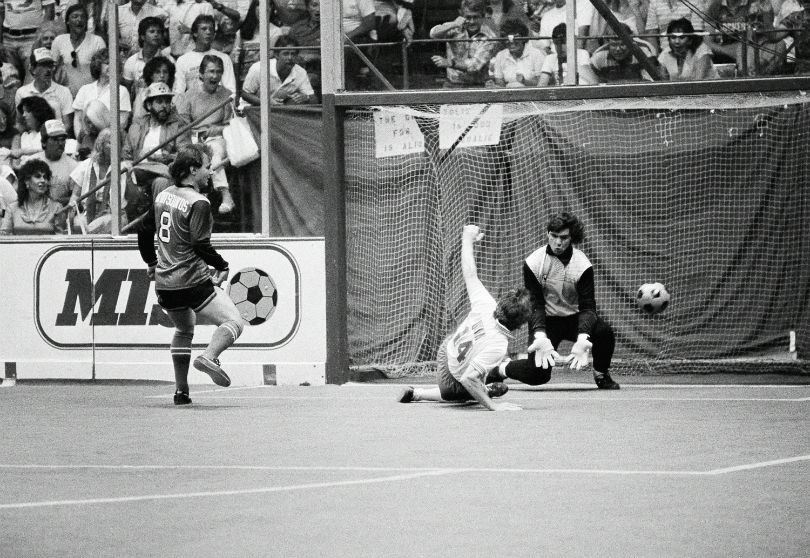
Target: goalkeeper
468, 359
561, 279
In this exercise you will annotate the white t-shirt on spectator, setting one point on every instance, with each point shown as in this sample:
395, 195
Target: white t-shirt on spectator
93, 91
556, 16
298, 78
187, 71
24, 14
354, 11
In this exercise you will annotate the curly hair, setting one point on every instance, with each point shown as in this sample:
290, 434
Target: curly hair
154, 65
515, 308
29, 169
38, 107
566, 220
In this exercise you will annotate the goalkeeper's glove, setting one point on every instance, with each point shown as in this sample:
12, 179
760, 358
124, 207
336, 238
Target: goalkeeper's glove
580, 353
544, 353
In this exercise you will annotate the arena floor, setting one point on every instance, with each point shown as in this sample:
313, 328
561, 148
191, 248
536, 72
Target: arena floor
660, 468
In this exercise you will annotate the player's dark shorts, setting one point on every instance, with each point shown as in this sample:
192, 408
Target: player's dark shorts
196, 297
450, 388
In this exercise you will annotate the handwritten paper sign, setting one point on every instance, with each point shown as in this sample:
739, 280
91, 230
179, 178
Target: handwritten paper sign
455, 119
396, 133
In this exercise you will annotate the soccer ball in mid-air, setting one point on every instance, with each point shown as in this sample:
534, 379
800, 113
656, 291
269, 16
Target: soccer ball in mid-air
653, 298
254, 293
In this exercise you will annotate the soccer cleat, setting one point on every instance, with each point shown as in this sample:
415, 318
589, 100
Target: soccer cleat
497, 389
407, 395
181, 398
604, 381
211, 367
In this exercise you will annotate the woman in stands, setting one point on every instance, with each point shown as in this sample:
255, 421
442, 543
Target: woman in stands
33, 112
34, 212
687, 58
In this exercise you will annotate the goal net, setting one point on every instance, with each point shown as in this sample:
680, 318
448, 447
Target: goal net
708, 195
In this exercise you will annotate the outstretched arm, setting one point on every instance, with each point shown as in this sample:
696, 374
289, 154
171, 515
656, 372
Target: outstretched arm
470, 235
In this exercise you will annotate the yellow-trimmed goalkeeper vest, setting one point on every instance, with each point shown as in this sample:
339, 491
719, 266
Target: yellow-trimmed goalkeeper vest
559, 282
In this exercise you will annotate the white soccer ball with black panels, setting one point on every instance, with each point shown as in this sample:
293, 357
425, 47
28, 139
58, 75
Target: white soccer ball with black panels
652, 298
254, 293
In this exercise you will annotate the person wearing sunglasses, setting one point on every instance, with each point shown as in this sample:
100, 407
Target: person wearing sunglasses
76, 48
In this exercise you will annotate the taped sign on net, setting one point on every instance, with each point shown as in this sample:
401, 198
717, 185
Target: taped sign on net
396, 133
455, 119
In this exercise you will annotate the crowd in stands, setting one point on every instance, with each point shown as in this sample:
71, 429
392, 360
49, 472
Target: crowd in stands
190, 64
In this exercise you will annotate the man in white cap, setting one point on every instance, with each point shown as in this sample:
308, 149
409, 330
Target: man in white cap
54, 136
58, 96
19, 22
160, 124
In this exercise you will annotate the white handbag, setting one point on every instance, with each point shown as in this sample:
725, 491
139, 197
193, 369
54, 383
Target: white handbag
240, 144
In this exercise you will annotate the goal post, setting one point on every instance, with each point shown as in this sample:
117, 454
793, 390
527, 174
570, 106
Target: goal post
704, 193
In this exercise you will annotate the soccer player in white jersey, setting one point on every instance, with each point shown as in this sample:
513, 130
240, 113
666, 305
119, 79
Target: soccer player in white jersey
561, 278
479, 344
184, 284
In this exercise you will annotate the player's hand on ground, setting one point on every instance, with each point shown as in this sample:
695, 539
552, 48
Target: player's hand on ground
580, 355
219, 276
504, 406
544, 353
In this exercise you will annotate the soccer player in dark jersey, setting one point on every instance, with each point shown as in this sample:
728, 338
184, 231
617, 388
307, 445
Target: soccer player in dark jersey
561, 279
184, 284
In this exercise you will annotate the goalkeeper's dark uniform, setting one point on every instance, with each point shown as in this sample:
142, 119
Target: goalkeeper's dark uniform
563, 289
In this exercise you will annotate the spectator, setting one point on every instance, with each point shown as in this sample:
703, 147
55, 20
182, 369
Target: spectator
307, 32
33, 212
359, 20
225, 37
33, 113
288, 12
45, 37
467, 62
799, 24
158, 69
96, 14
661, 12
535, 10
289, 83
615, 62
130, 15
100, 90
182, 14
628, 12
19, 23
765, 52
11, 76
246, 45
96, 118
93, 213
159, 124
687, 57
7, 134
194, 104
555, 66
76, 48
394, 20
187, 70
730, 18
58, 96
150, 41
54, 138
557, 15
519, 64
500, 11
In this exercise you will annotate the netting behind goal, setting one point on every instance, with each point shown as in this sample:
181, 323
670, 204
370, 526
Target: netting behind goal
707, 195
